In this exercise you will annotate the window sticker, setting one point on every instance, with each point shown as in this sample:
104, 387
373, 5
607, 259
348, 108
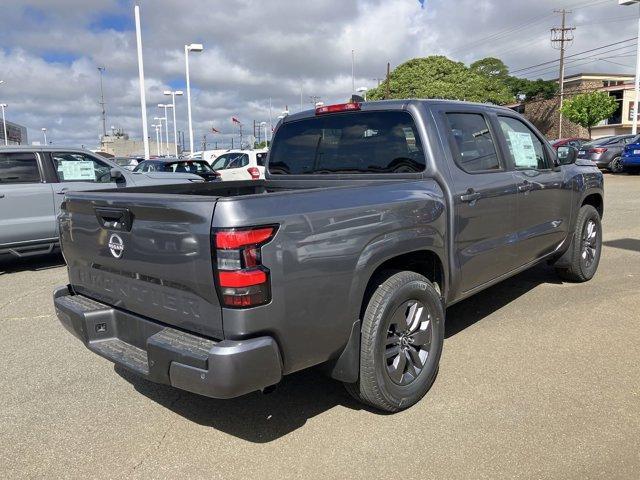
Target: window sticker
82, 170
523, 150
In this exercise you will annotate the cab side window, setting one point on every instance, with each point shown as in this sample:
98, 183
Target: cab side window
526, 150
78, 167
473, 145
18, 168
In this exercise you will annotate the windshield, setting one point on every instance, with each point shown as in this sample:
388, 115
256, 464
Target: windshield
188, 166
359, 142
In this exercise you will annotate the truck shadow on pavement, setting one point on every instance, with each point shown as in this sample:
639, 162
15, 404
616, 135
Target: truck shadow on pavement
36, 263
260, 418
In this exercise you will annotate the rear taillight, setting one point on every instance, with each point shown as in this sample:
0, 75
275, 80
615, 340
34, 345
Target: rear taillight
254, 172
597, 150
242, 279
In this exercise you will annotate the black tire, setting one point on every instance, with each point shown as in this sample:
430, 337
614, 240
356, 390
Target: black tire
615, 166
398, 365
586, 248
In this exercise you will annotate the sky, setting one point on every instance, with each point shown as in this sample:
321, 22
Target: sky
260, 49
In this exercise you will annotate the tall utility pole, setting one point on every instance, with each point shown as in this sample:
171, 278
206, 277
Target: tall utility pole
387, 88
559, 38
143, 99
104, 118
353, 72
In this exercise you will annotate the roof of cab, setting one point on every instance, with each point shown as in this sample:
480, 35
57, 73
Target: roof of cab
398, 104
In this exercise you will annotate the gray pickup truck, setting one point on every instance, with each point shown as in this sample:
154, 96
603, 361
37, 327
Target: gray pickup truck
372, 220
33, 181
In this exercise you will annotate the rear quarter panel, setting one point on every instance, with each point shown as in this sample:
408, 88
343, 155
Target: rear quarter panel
328, 244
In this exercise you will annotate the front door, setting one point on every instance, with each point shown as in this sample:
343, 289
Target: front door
79, 171
484, 198
544, 200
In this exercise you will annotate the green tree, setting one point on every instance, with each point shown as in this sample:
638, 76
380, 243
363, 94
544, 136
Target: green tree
520, 87
490, 67
439, 77
530, 89
588, 109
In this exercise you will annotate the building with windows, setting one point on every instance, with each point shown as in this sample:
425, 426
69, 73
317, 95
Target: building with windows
545, 114
16, 134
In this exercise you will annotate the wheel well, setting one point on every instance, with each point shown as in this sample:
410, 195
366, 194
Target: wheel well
595, 200
424, 262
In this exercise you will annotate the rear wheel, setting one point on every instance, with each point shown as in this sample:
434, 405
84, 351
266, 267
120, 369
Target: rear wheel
401, 342
586, 247
616, 165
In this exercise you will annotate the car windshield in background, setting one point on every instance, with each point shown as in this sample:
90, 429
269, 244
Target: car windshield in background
362, 142
188, 166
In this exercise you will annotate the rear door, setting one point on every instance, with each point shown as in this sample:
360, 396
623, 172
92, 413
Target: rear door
484, 196
544, 200
145, 253
26, 202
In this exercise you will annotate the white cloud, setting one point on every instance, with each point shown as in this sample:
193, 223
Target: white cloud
256, 49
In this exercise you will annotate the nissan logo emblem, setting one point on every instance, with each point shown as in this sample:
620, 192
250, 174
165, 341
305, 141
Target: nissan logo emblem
116, 245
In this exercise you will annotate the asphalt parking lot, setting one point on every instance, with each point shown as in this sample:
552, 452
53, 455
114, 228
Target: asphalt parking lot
539, 379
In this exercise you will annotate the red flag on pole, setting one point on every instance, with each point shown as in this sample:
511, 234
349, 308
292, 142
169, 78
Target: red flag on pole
215, 130
235, 120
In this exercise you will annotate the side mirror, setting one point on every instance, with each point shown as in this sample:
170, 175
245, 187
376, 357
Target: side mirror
567, 155
116, 175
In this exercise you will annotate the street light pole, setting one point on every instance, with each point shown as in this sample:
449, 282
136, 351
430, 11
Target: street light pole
192, 47
159, 119
166, 119
155, 125
44, 132
143, 100
264, 125
4, 124
173, 102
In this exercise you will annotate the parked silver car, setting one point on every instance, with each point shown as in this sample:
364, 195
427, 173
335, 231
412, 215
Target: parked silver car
33, 181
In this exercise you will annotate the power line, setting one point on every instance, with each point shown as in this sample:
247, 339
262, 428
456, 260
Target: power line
549, 68
573, 55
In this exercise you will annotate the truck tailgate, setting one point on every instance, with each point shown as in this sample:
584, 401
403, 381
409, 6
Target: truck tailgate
144, 254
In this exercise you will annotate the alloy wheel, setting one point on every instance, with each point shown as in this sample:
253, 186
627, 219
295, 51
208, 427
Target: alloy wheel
408, 342
589, 243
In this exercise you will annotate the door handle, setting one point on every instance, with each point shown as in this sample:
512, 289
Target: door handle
470, 197
1, 195
63, 191
524, 186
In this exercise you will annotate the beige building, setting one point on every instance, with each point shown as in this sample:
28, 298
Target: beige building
545, 115
120, 145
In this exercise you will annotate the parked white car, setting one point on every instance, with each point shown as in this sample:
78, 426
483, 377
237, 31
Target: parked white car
241, 164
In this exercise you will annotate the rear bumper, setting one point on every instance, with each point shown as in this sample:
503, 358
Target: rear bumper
161, 354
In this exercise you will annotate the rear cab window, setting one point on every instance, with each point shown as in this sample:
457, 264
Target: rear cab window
356, 142
473, 145
188, 167
230, 160
19, 168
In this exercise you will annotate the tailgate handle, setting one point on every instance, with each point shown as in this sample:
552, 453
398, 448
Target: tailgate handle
115, 218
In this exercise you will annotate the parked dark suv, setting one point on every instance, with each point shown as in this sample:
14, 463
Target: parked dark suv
607, 151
